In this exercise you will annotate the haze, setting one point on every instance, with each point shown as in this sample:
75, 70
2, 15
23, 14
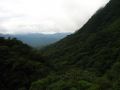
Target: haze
46, 16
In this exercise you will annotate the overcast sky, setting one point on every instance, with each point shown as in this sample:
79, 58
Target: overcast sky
46, 16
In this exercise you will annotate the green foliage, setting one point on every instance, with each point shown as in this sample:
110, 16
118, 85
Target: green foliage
94, 48
86, 60
73, 79
19, 65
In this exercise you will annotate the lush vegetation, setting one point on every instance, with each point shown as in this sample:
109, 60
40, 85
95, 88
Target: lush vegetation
95, 49
20, 65
86, 60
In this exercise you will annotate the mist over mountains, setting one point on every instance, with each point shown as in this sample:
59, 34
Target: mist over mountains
37, 39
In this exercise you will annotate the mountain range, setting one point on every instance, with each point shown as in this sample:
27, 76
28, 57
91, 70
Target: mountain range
37, 40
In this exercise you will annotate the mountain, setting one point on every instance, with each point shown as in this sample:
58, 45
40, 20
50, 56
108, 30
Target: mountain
99, 34
90, 58
37, 39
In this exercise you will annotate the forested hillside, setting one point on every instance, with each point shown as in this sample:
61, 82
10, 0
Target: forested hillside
101, 31
90, 58
20, 65
86, 60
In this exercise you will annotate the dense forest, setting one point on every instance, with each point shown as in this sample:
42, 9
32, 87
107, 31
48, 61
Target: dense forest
20, 65
89, 59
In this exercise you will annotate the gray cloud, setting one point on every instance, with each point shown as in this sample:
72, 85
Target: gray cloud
2, 30
47, 16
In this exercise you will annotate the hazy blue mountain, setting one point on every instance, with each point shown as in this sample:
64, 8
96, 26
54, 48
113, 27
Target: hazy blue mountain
38, 39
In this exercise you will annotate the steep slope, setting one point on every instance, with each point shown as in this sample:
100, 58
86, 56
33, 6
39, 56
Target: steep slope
98, 37
88, 59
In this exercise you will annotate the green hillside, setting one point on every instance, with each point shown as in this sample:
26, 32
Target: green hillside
20, 65
100, 32
86, 60
90, 58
